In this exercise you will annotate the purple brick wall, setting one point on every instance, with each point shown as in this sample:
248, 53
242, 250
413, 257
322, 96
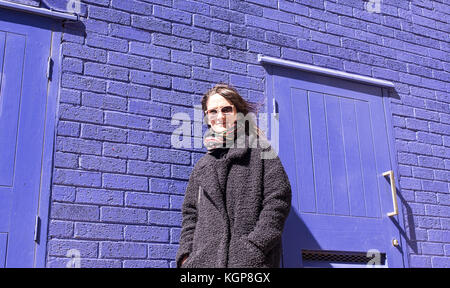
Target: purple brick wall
118, 186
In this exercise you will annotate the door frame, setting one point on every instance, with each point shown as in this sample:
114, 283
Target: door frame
48, 150
269, 62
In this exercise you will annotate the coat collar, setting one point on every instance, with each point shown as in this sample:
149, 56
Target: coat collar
208, 178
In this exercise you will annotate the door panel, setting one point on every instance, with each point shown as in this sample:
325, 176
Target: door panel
334, 145
25, 47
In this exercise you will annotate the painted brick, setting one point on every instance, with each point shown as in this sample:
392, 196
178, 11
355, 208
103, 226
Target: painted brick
146, 200
102, 101
168, 218
228, 41
74, 212
105, 42
148, 50
96, 231
66, 160
99, 196
191, 32
76, 145
109, 15
63, 193
84, 83
123, 215
96, 132
125, 151
126, 182
167, 186
128, 90
60, 229
171, 41
149, 138
148, 168
132, 6
126, 120
174, 69
162, 251
123, 250
130, 61
172, 14
193, 6
209, 49
145, 264
77, 177
146, 233
150, 79
105, 71
58, 247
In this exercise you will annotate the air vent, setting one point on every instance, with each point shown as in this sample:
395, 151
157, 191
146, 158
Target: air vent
341, 257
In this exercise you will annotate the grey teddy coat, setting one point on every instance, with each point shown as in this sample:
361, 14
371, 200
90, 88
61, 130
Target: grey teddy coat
240, 226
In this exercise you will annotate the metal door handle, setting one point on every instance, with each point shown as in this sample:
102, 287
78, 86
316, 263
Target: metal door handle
394, 192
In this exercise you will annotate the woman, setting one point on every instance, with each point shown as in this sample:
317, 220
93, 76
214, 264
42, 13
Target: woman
236, 201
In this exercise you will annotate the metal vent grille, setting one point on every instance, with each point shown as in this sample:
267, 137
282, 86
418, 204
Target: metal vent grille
339, 256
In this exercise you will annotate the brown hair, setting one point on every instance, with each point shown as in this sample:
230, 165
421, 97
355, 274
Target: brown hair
242, 106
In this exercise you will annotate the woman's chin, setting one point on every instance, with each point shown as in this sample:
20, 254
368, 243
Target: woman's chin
219, 128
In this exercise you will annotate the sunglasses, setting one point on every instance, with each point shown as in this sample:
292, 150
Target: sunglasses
226, 110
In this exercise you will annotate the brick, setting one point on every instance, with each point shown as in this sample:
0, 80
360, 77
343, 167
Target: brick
123, 250
247, 8
106, 42
72, 65
191, 33
63, 193
99, 196
125, 182
169, 68
162, 251
440, 262
83, 83
209, 49
84, 52
102, 101
103, 133
419, 261
124, 151
130, 61
431, 162
123, 215
193, 6
105, 71
209, 75
96, 231
148, 168
146, 233
280, 16
74, 212
77, 177
127, 120
149, 108
211, 23
145, 264
128, 90
66, 160
146, 200
57, 247
172, 15
228, 41
109, 15
171, 41
164, 218
77, 145
167, 186
132, 6
60, 229
150, 79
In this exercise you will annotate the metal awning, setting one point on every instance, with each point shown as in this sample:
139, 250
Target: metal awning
325, 71
38, 11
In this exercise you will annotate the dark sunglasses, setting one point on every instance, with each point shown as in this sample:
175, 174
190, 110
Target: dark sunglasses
225, 110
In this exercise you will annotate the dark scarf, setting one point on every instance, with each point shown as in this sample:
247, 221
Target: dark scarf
225, 139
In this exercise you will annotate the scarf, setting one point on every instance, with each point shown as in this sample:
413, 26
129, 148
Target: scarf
224, 139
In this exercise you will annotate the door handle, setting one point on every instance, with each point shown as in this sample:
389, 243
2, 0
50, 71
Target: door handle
394, 192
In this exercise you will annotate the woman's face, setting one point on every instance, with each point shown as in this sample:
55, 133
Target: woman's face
221, 113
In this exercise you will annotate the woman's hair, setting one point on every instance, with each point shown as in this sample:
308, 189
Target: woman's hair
242, 106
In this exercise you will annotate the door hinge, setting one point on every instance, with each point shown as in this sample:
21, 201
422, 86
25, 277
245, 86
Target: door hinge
37, 226
49, 68
275, 108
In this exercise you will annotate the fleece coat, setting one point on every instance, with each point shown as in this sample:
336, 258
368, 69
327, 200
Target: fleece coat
234, 210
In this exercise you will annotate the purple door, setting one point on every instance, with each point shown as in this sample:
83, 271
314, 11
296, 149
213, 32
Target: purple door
24, 49
334, 143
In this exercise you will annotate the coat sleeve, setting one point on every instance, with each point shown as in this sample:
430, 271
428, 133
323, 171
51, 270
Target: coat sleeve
189, 214
276, 205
